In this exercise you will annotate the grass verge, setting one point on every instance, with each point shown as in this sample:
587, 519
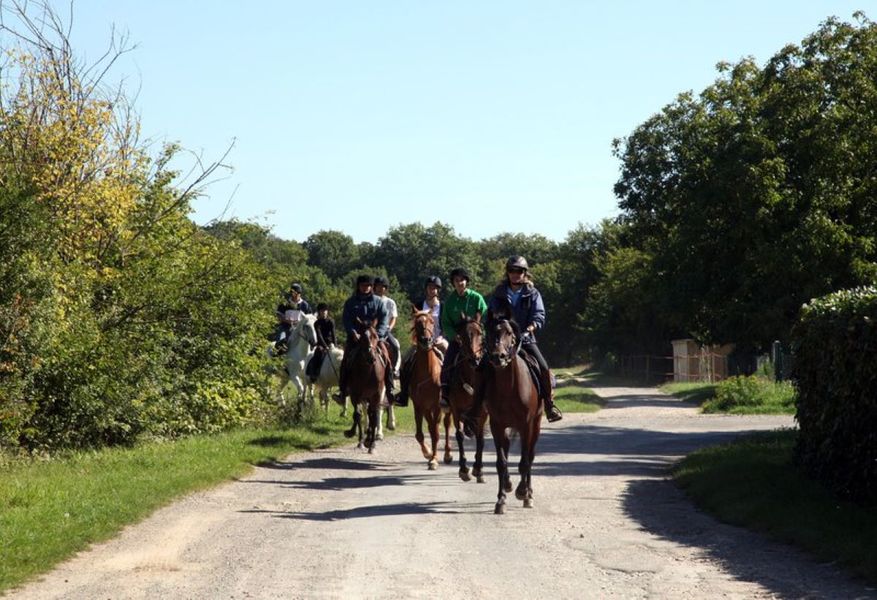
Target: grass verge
691, 392
754, 483
49, 510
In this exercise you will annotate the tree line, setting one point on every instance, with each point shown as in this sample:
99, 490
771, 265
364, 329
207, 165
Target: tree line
121, 319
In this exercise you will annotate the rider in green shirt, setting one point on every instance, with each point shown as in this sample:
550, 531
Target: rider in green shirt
462, 301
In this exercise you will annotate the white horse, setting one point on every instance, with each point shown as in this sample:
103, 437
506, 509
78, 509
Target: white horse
301, 337
327, 378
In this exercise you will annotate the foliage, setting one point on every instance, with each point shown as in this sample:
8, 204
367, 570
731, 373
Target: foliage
751, 395
757, 195
836, 374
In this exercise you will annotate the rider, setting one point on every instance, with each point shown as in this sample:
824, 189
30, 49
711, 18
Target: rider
516, 291
325, 329
381, 286
288, 314
431, 302
462, 302
366, 307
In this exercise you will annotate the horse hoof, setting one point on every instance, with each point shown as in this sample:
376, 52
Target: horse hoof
433, 465
391, 427
448, 459
479, 478
348, 434
464, 475
359, 446
499, 509
521, 495
528, 503
371, 450
379, 437
508, 485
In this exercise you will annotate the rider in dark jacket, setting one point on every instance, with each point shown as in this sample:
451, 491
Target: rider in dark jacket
366, 307
517, 294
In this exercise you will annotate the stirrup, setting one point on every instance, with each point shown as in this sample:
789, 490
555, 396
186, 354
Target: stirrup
553, 414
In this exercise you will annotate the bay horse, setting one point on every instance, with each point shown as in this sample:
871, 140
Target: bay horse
461, 396
513, 404
365, 385
424, 388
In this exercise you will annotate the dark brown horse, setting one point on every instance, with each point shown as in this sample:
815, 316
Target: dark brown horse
513, 404
461, 395
365, 383
425, 386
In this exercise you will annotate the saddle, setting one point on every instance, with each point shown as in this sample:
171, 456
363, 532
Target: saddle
535, 371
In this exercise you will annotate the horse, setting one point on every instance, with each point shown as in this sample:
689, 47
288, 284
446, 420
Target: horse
461, 397
425, 385
302, 336
327, 378
513, 404
365, 385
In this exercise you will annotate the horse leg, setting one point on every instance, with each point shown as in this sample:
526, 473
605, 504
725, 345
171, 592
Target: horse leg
432, 424
379, 423
478, 470
391, 417
418, 433
506, 445
464, 469
523, 491
502, 470
352, 431
449, 457
374, 421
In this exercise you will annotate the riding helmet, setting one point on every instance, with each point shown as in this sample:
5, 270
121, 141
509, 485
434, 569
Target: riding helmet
517, 262
295, 287
365, 279
380, 280
433, 280
460, 272
322, 306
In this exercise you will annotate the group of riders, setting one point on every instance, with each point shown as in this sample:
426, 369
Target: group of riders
516, 295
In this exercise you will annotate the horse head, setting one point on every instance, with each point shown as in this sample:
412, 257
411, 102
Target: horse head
306, 328
471, 340
367, 339
422, 328
503, 342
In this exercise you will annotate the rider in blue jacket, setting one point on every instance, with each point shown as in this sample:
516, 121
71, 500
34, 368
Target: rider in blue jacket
365, 306
517, 295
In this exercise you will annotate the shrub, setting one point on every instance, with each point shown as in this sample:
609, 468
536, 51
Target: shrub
835, 370
751, 394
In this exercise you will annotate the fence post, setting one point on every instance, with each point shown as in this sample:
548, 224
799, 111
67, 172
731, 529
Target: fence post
777, 359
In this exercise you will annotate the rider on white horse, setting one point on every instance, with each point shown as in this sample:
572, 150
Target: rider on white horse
288, 314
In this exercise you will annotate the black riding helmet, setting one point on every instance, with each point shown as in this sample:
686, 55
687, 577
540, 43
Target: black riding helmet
322, 306
380, 280
460, 272
364, 279
517, 262
433, 280
295, 287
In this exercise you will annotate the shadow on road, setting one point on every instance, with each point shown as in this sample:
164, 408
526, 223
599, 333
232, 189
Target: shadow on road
380, 510
662, 510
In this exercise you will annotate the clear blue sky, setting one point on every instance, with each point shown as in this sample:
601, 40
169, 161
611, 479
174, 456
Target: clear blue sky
489, 116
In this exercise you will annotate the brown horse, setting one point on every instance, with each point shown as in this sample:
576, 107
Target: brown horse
425, 386
365, 383
461, 395
513, 404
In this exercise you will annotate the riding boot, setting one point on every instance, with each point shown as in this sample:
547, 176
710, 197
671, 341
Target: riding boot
470, 418
443, 400
552, 412
341, 396
405, 381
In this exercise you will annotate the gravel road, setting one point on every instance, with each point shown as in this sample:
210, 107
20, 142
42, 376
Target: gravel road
340, 523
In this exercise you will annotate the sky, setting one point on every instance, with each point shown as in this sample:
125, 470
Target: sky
359, 116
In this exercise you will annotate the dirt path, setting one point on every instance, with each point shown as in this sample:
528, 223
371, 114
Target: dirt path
344, 524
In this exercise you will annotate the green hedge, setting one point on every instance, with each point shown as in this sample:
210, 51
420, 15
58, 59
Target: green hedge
836, 374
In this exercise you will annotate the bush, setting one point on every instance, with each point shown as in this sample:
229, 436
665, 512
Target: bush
835, 343
752, 394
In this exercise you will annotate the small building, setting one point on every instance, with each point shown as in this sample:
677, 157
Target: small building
693, 362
